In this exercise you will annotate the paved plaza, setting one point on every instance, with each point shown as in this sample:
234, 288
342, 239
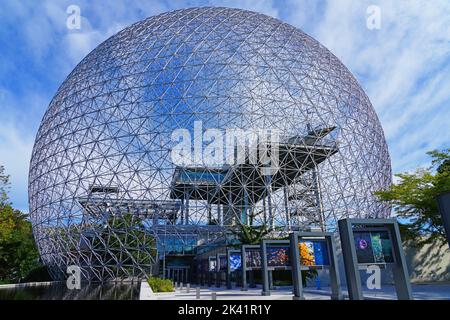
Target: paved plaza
420, 292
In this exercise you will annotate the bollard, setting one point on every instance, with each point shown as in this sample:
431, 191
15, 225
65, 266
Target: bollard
213, 296
197, 293
188, 287
176, 285
181, 286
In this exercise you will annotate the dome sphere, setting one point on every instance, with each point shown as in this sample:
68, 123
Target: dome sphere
102, 161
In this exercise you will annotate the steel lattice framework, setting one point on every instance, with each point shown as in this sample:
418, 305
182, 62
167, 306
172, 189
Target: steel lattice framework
104, 192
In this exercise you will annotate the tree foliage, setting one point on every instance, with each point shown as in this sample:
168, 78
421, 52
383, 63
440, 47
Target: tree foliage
249, 233
4, 186
413, 198
18, 252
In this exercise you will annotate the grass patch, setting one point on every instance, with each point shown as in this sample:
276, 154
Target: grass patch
160, 285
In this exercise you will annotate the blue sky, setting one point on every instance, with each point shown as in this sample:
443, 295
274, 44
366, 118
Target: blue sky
404, 67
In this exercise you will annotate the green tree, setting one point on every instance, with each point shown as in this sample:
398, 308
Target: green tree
18, 252
413, 198
4, 186
249, 233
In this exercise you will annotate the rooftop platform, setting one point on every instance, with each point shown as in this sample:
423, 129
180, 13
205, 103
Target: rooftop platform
249, 180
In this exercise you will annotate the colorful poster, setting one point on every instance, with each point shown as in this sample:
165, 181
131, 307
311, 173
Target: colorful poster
363, 245
377, 247
277, 256
321, 253
253, 258
306, 249
373, 247
386, 245
313, 253
212, 265
235, 261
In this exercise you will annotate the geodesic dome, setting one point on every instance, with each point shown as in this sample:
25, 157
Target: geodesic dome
104, 191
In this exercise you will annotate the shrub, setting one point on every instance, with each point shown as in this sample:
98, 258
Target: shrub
160, 285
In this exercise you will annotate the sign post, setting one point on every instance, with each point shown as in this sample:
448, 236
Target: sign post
250, 260
274, 255
212, 265
367, 242
234, 259
222, 267
312, 251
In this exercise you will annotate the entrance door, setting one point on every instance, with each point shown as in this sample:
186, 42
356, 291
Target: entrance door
178, 274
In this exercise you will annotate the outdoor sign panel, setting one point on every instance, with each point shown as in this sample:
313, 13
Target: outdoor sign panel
314, 250
368, 242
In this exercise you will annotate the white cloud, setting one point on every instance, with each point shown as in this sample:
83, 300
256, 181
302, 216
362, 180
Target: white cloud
262, 6
16, 142
403, 67
16, 162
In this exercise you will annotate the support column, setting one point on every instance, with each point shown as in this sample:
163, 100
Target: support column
252, 279
228, 275
400, 271
187, 210
264, 211
219, 214
209, 213
318, 196
265, 272
270, 279
296, 268
244, 270
244, 213
268, 182
286, 208
350, 262
164, 262
182, 211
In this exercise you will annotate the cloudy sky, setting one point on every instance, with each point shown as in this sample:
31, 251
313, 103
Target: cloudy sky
404, 67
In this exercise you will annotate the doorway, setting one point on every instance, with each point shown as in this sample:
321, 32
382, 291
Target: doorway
178, 274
